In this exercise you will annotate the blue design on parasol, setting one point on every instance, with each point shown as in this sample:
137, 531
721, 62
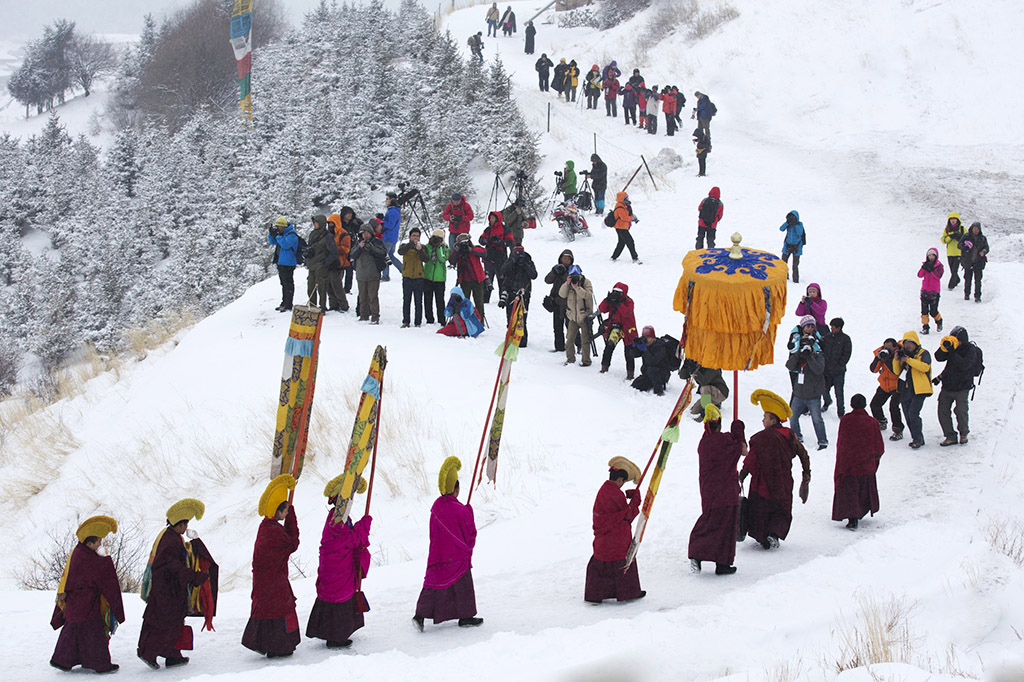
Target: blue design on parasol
753, 263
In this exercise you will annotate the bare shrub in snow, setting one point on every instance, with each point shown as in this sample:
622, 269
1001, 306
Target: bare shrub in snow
709, 21
581, 17
126, 547
880, 633
1007, 537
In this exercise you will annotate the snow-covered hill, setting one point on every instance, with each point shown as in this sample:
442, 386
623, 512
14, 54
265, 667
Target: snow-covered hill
196, 418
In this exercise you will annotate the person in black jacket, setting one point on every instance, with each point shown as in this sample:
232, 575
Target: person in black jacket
543, 67
558, 82
659, 361
321, 259
838, 348
598, 181
973, 257
531, 33
350, 222
957, 379
516, 276
809, 365
556, 277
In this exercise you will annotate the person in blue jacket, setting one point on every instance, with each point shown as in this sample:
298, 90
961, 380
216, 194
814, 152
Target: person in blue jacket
705, 110
461, 315
392, 223
793, 244
286, 239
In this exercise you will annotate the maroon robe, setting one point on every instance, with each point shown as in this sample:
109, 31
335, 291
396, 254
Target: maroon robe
714, 535
858, 449
770, 464
273, 626
607, 576
83, 639
164, 618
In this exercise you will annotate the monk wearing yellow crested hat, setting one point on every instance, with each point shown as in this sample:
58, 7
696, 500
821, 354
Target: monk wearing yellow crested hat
167, 587
769, 463
89, 604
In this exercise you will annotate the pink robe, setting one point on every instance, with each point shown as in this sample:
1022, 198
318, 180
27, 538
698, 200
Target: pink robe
341, 546
452, 538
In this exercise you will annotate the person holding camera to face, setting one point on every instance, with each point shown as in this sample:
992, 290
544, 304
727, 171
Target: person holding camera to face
466, 259
434, 276
368, 257
391, 228
888, 367
496, 241
620, 325
459, 215
283, 236
578, 294
915, 384
793, 243
555, 301
516, 277
808, 363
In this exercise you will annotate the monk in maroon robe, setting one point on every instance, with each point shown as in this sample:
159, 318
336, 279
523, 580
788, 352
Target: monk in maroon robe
84, 640
163, 623
714, 535
607, 575
273, 627
769, 463
859, 448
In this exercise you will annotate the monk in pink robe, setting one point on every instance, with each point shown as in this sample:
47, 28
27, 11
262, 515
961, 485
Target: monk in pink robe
344, 557
858, 450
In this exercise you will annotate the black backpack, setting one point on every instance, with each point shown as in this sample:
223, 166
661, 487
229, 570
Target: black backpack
609, 218
300, 251
708, 210
672, 343
712, 109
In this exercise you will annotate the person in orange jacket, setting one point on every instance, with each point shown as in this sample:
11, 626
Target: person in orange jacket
888, 368
624, 218
343, 240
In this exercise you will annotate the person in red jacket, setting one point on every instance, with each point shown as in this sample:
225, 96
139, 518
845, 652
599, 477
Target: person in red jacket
496, 240
669, 107
273, 627
713, 537
613, 531
469, 270
708, 214
620, 325
858, 451
458, 214
610, 86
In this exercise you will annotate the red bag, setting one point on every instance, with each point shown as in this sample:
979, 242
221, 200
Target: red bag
184, 639
531, 224
362, 606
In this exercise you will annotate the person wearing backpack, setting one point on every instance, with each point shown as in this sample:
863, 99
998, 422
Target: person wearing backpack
702, 145
705, 111
793, 243
973, 256
964, 361
951, 237
368, 256
286, 257
659, 361
623, 218
709, 212
476, 45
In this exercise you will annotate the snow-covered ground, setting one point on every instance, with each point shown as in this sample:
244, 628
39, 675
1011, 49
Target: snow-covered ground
835, 110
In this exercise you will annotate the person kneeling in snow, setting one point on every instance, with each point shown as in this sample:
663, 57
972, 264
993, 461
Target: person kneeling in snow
461, 316
659, 361
448, 591
613, 515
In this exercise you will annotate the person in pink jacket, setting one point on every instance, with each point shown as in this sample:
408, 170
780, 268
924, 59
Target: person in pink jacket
448, 584
814, 305
931, 286
344, 561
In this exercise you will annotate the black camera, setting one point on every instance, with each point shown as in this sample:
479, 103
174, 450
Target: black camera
576, 279
558, 174
405, 194
806, 348
559, 268
884, 354
463, 246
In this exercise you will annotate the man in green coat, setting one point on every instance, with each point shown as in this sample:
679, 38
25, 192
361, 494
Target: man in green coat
568, 186
322, 254
514, 219
434, 274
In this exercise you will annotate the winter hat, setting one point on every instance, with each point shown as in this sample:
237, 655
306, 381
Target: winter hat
281, 222
858, 402
978, 224
595, 67
622, 464
437, 233
276, 492
814, 286
715, 193
184, 510
619, 286
648, 331
320, 219
449, 475
562, 60
771, 402
712, 413
807, 320
462, 238
456, 196
96, 527
575, 270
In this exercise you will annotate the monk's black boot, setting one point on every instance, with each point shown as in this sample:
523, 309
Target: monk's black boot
695, 565
176, 661
418, 622
722, 569
58, 666
339, 645
152, 664
853, 523
470, 622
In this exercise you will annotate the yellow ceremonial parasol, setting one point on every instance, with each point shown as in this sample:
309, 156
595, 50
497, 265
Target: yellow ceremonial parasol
733, 300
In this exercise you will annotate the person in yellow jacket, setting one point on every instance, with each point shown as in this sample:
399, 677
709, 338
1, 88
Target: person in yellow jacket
915, 383
951, 237
572, 81
624, 218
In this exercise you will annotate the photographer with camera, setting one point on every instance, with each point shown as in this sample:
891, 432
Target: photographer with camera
351, 224
793, 242
888, 368
368, 257
343, 243
930, 273
514, 218
624, 219
555, 301
658, 360
578, 294
973, 258
282, 234
811, 303
516, 276
414, 255
321, 259
435, 272
621, 324
459, 215
598, 175
592, 86
915, 384
964, 361
391, 228
710, 384
610, 85
469, 269
808, 363
567, 181
496, 241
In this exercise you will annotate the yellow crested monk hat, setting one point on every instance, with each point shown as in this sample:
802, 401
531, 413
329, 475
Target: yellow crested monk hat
632, 470
449, 475
771, 402
334, 486
276, 493
185, 510
712, 413
96, 526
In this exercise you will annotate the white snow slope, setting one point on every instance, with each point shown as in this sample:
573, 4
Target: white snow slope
860, 115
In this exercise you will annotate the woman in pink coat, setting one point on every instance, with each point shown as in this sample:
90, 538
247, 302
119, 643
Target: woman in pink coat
814, 305
448, 585
931, 286
344, 561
